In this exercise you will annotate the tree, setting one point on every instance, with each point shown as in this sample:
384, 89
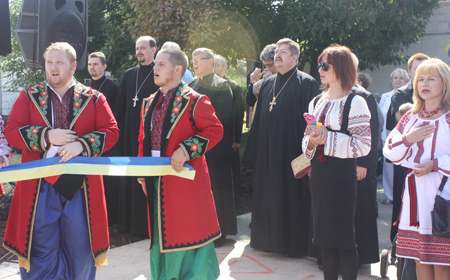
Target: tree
378, 31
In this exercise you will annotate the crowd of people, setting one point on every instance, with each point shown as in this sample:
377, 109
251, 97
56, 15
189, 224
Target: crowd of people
58, 225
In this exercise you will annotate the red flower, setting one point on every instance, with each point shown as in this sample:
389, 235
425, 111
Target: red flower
41, 86
43, 102
178, 99
35, 148
80, 87
44, 93
34, 130
176, 109
77, 104
194, 147
96, 155
92, 139
77, 95
146, 109
185, 90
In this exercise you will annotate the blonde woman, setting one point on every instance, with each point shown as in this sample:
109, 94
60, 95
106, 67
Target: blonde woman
420, 143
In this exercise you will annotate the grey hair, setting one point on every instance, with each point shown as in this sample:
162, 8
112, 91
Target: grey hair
224, 61
268, 53
403, 72
171, 45
207, 52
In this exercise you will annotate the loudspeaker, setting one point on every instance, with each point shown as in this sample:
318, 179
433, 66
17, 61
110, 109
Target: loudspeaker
43, 22
5, 28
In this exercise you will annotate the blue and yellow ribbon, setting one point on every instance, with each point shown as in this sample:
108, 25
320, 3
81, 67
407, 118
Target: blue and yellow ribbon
111, 166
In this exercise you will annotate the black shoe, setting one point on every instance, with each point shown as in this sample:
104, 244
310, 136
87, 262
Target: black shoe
220, 241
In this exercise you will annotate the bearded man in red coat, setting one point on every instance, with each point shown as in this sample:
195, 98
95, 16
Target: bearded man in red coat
58, 226
180, 123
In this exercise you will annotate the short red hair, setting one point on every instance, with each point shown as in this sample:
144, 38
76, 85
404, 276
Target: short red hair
343, 63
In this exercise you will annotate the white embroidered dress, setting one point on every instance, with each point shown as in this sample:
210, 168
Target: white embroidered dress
417, 242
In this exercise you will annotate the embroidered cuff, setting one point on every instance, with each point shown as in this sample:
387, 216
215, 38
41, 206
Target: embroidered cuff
435, 164
33, 137
405, 142
93, 143
194, 147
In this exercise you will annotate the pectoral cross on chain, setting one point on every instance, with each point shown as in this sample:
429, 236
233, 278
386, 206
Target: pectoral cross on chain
272, 103
135, 99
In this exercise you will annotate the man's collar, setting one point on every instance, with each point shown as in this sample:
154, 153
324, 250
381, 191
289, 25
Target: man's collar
288, 72
73, 84
99, 79
164, 93
207, 77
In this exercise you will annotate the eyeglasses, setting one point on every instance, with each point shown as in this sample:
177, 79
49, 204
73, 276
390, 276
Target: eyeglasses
195, 60
268, 65
324, 65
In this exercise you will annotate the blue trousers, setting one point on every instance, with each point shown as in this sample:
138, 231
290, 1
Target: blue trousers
60, 246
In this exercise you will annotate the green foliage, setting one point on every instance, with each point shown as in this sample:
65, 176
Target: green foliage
378, 31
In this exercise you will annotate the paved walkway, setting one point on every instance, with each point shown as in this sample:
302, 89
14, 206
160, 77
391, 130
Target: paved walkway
237, 260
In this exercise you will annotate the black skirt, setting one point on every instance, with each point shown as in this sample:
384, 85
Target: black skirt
333, 195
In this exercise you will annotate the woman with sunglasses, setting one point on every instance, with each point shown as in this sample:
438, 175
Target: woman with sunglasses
420, 143
341, 134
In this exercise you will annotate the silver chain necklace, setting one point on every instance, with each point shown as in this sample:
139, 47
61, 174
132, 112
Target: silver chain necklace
99, 89
135, 99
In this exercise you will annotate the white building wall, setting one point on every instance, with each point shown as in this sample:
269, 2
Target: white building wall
433, 44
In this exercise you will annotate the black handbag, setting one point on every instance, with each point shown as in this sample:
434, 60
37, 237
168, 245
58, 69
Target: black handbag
440, 215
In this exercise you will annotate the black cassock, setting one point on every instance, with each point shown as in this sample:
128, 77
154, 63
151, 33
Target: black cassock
281, 203
219, 158
132, 200
366, 231
110, 89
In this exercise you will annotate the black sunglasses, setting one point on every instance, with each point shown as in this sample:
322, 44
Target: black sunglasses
324, 65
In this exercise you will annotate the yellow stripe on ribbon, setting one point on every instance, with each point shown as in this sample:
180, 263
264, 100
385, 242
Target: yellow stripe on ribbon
112, 166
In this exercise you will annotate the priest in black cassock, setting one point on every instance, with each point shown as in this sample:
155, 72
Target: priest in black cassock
96, 67
219, 158
281, 203
137, 84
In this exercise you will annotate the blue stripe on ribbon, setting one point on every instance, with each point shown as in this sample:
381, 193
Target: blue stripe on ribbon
112, 166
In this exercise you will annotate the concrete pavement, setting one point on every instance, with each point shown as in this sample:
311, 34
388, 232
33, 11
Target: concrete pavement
237, 260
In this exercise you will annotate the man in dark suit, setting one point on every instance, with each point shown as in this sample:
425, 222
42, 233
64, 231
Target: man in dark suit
219, 158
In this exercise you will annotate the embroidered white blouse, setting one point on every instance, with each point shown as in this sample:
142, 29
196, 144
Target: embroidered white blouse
434, 148
341, 145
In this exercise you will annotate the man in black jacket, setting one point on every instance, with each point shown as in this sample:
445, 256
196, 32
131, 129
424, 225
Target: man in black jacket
219, 158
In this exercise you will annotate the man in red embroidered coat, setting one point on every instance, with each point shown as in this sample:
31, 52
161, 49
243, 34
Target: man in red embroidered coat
178, 122
57, 225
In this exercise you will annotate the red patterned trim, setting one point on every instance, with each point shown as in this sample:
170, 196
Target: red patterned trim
424, 247
402, 123
405, 142
421, 148
433, 143
435, 164
443, 170
412, 200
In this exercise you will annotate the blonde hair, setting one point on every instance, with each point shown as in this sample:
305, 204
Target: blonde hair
402, 72
63, 46
438, 68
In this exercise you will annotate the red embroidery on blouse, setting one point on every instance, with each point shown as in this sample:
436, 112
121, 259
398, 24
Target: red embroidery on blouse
159, 113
